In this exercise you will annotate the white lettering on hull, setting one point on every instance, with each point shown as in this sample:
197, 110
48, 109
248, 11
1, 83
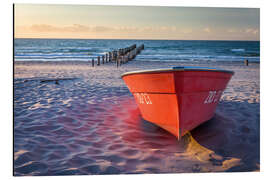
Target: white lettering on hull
213, 96
143, 98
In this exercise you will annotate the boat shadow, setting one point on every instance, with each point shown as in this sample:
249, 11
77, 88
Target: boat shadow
230, 143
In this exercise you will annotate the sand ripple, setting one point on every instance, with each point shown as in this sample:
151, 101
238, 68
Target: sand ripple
91, 125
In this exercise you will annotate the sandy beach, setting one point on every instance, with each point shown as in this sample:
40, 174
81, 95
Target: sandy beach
88, 123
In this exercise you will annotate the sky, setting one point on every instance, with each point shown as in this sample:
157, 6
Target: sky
135, 22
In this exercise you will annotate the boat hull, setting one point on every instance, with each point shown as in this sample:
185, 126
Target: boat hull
177, 100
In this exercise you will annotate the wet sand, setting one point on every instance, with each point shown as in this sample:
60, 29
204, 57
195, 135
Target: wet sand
87, 122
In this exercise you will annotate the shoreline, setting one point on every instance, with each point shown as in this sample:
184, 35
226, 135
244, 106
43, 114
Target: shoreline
156, 61
147, 39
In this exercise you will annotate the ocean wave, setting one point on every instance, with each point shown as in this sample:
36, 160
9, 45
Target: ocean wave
238, 50
139, 57
57, 50
48, 59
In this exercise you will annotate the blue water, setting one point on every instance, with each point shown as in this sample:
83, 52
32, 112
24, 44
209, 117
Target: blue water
155, 50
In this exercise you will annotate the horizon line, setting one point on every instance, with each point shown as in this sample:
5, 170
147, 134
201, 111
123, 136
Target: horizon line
141, 39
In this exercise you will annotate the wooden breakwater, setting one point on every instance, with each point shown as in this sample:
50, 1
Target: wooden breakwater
119, 57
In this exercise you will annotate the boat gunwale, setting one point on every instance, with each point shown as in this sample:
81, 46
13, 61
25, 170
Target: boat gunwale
171, 69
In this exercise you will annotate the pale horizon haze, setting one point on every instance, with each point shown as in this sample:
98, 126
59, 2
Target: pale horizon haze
135, 22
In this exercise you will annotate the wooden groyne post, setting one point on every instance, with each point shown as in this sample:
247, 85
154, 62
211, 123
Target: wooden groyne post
93, 62
98, 62
110, 56
131, 52
246, 62
120, 56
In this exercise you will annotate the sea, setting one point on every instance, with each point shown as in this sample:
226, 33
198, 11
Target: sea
155, 50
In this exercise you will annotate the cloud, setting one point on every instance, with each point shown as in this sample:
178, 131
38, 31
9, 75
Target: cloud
173, 28
51, 28
65, 29
157, 29
186, 30
101, 29
207, 29
126, 28
150, 31
43, 28
251, 31
232, 30
246, 31
256, 31
78, 28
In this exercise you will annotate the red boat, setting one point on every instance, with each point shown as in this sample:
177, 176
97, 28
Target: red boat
180, 98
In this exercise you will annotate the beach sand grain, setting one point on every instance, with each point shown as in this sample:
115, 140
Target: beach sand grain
88, 123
